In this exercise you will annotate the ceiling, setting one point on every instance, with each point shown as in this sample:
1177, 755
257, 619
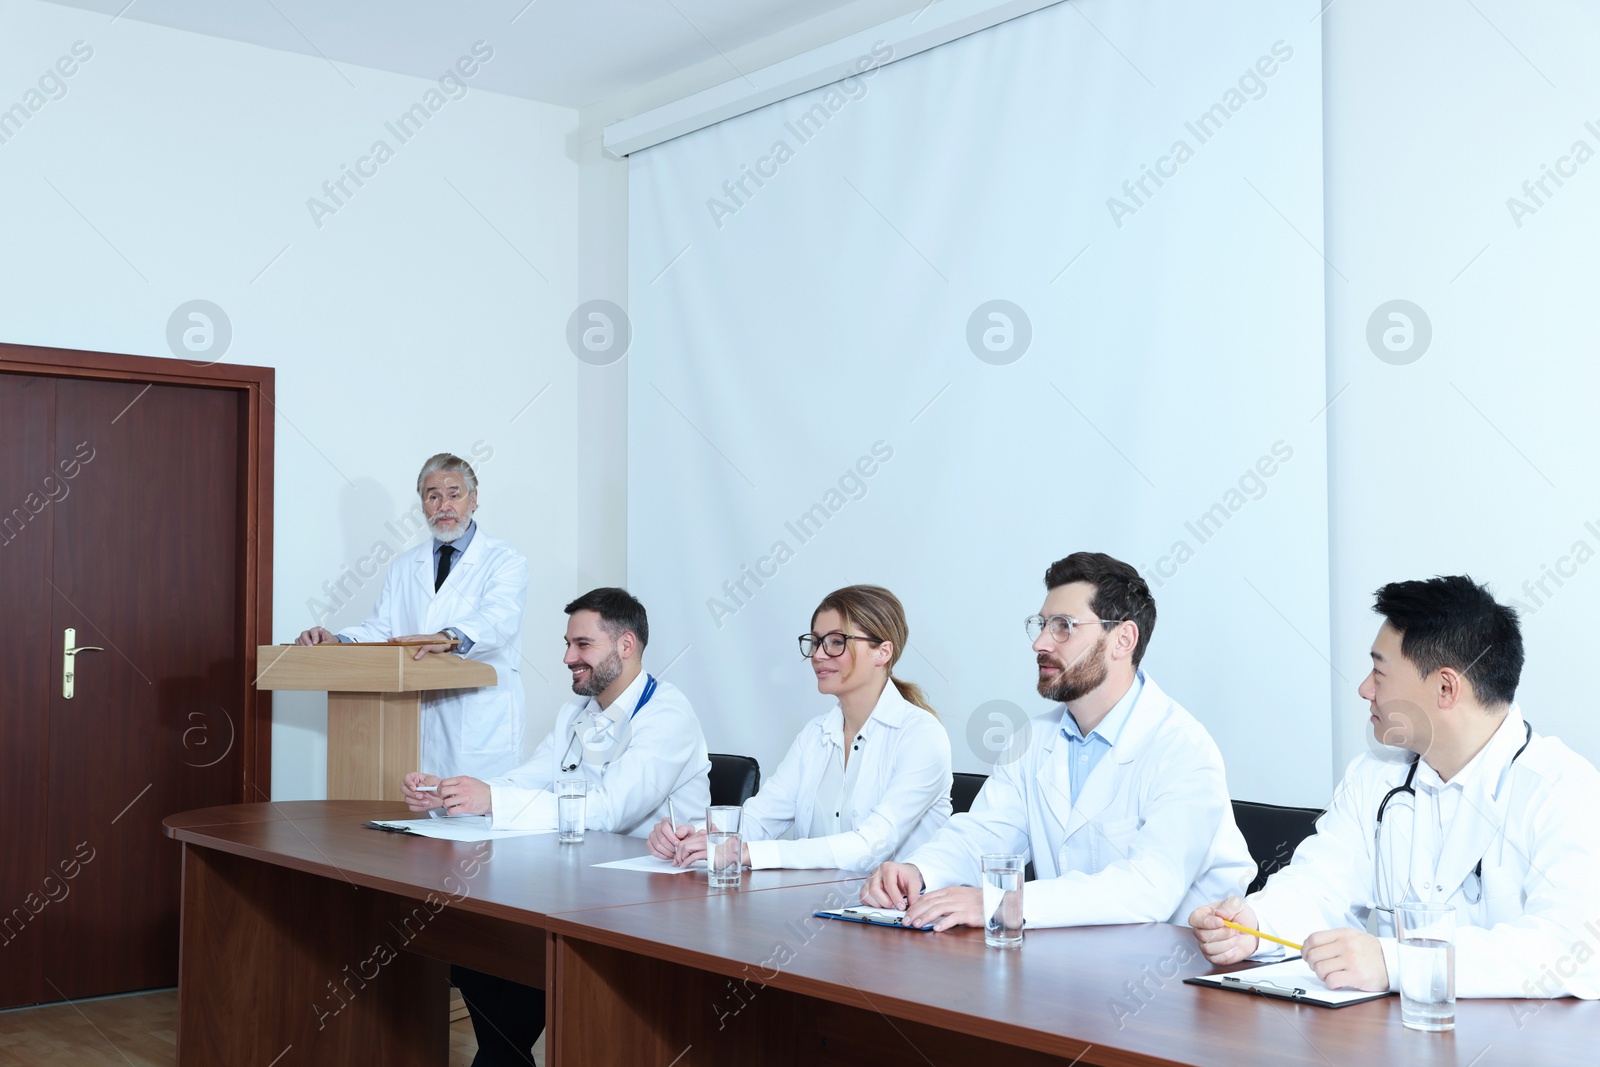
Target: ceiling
572, 53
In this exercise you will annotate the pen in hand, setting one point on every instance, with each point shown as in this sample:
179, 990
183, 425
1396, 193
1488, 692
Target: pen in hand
672, 821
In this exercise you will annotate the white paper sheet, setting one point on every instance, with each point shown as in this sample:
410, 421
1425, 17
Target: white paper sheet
652, 865
1295, 974
460, 828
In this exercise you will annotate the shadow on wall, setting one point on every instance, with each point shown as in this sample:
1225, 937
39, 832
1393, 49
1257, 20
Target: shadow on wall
345, 597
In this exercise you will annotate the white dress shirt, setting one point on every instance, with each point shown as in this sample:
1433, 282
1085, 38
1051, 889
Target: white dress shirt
1151, 837
1529, 926
633, 763
898, 790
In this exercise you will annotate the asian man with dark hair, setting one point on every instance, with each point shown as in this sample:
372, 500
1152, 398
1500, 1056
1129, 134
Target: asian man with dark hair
1485, 815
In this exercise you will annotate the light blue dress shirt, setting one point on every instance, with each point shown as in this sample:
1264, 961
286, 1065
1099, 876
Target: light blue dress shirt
1085, 753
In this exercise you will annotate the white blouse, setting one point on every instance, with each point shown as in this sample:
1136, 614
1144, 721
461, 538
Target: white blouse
832, 813
893, 795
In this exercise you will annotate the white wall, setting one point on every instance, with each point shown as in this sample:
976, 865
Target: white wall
194, 158
1479, 456
600, 481
414, 319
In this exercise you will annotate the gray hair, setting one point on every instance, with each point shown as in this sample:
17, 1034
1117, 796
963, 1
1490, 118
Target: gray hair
448, 461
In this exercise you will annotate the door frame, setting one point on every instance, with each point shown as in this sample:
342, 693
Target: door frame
255, 549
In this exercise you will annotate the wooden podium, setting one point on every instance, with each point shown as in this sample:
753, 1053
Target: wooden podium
374, 705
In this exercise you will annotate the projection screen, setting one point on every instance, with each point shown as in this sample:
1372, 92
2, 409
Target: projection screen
1052, 286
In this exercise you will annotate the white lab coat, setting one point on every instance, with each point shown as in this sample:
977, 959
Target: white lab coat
901, 795
633, 765
1151, 837
1532, 822
477, 731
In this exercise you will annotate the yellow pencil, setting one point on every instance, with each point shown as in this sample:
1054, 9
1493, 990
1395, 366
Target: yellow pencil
1258, 933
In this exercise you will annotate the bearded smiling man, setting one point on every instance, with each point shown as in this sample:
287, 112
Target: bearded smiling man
1118, 798
634, 738
636, 741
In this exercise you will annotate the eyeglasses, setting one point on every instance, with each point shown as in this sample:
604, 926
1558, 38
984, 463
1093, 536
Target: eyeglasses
1060, 626
832, 644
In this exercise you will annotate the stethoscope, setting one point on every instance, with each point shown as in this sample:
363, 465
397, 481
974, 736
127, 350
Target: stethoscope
568, 764
1407, 787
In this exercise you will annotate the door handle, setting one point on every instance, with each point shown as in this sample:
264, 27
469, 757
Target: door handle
69, 656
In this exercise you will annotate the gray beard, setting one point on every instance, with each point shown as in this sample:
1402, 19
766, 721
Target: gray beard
446, 537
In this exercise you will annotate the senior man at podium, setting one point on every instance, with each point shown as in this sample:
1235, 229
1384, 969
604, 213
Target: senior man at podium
465, 591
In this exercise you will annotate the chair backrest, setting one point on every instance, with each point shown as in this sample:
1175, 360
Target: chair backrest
964, 788
1272, 833
734, 779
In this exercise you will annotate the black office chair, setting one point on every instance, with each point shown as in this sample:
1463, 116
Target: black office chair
1273, 832
734, 779
964, 788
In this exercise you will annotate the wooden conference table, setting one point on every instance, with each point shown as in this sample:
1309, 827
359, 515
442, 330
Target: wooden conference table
307, 939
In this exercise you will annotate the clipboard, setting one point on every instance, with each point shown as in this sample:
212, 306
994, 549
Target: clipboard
1290, 979
872, 917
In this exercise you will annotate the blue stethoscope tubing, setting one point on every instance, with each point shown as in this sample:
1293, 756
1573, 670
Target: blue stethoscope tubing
644, 698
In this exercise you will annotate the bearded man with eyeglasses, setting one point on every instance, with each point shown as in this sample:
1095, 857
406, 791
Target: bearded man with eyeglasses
1117, 794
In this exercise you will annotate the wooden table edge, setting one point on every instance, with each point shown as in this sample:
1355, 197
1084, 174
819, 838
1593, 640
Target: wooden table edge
983, 1027
196, 835
175, 822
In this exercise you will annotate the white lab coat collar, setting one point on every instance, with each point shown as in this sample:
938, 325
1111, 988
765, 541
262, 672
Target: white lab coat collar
889, 712
621, 709
599, 734
1150, 710
1110, 728
1494, 773
1482, 814
1136, 732
1484, 772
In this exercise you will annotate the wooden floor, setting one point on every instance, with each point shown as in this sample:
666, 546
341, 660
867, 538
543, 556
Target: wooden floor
138, 1030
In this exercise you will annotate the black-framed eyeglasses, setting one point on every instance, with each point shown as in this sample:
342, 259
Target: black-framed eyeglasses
832, 643
1061, 626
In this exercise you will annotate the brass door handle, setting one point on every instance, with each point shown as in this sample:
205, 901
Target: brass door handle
69, 655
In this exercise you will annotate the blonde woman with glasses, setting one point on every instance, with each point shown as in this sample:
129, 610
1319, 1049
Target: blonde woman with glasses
865, 781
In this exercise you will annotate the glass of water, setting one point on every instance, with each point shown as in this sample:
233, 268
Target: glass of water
1002, 899
1427, 956
572, 796
724, 848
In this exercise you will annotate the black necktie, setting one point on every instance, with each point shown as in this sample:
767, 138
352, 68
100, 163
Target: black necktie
443, 571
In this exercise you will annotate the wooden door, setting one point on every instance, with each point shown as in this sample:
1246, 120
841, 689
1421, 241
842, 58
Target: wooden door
140, 547
26, 448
